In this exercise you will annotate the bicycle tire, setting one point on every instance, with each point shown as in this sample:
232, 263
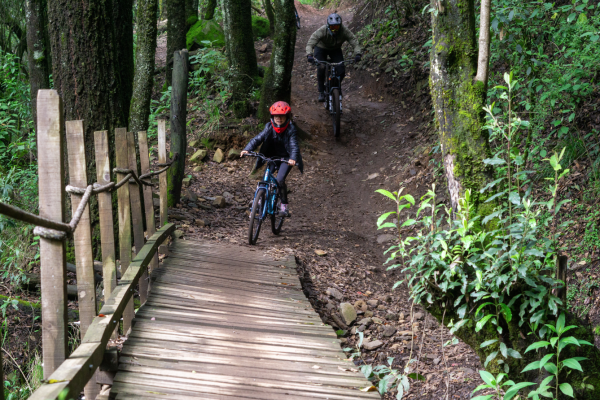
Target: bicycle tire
336, 115
276, 222
255, 220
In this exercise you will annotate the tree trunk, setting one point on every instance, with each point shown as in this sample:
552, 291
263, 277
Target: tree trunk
89, 65
458, 99
176, 31
270, 15
37, 50
123, 33
191, 12
277, 84
144, 65
178, 125
209, 11
483, 60
237, 24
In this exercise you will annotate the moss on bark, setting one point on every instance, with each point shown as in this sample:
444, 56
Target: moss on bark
458, 100
277, 84
144, 65
237, 24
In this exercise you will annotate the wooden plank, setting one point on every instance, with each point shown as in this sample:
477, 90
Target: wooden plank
52, 253
107, 235
122, 156
235, 389
82, 238
77, 370
162, 159
136, 213
148, 200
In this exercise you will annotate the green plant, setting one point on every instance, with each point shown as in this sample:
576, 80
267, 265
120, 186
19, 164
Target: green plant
385, 376
556, 343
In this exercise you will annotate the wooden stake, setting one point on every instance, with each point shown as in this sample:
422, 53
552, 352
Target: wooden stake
561, 274
52, 253
122, 157
148, 200
162, 158
136, 213
82, 238
107, 236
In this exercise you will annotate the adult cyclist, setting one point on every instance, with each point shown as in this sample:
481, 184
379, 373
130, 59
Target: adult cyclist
327, 41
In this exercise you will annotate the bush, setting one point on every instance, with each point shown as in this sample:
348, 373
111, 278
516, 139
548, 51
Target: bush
260, 27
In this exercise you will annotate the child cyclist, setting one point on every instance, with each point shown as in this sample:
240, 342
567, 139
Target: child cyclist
279, 140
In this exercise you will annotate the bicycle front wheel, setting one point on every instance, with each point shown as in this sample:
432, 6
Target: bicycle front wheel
336, 114
256, 216
276, 220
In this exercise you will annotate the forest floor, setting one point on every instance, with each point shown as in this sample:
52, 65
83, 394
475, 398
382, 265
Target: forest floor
334, 207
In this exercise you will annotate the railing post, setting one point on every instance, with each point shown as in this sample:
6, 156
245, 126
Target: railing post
124, 219
148, 200
107, 235
52, 253
136, 214
82, 237
162, 159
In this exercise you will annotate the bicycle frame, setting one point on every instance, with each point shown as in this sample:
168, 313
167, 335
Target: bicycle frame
269, 183
332, 81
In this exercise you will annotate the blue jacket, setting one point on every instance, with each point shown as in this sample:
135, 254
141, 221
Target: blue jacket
270, 140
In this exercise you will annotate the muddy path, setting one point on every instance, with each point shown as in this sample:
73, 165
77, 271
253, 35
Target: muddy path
334, 210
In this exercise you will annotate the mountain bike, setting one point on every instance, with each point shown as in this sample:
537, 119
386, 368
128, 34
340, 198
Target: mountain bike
297, 18
267, 200
333, 92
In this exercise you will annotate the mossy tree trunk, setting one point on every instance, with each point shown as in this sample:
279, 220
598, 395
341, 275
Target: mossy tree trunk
191, 12
277, 84
178, 126
38, 51
237, 24
209, 10
270, 15
144, 65
176, 31
90, 66
458, 99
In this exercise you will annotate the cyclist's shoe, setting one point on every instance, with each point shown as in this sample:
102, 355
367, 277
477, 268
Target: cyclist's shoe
321, 97
284, 211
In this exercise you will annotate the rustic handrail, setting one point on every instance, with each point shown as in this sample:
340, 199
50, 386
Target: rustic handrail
72, 375
69, 375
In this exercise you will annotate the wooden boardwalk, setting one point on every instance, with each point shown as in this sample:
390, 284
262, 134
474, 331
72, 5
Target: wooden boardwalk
226, 322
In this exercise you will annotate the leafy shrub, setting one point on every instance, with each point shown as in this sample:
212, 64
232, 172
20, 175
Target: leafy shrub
260, 27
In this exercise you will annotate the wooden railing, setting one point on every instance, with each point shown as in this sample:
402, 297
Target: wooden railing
65, 376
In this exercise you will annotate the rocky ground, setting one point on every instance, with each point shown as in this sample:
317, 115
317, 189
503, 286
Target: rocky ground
332, 231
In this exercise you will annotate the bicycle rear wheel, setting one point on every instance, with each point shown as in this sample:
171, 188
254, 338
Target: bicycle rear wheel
336, 115
255, 216
277, 221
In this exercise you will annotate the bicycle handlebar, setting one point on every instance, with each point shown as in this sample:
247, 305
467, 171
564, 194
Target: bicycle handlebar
266, 159
317, 62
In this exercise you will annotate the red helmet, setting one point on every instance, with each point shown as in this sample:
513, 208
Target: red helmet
280, 108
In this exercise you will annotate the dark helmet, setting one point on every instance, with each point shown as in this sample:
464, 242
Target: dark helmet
334, 23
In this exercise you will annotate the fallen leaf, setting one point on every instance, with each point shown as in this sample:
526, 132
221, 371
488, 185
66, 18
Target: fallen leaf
368, 389
320, 253
372, 176
316, 367
101, 315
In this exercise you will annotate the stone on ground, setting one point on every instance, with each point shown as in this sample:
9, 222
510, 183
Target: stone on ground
198, 156
373, 303
360, 305
186, 182
336, 294
219, 156
372, 345
219, 202
388, 331
348, 313
233, 153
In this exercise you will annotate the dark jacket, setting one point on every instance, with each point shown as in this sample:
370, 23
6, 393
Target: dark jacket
323, 39
270, 140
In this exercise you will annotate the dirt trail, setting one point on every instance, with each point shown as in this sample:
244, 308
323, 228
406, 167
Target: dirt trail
334, 209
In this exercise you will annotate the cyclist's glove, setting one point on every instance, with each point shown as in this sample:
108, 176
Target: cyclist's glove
310, 58
357, 58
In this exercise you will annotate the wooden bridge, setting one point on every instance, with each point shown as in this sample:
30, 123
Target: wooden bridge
216, 321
